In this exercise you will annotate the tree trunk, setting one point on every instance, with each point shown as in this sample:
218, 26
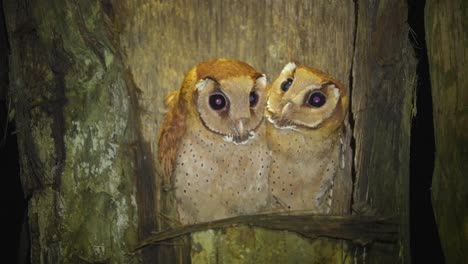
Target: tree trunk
77, 133
88, 80
383, 83
447, 38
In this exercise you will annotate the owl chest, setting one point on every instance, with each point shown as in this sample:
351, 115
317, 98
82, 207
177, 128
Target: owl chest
219, 163
302, 170
302, 154
221, 177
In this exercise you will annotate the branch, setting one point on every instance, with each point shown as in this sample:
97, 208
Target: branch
362, 229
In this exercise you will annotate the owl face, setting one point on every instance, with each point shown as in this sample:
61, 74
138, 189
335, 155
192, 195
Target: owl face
232, 106
302, 98
225, 96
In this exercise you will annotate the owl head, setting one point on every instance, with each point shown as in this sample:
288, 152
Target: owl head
306, 99
226, 96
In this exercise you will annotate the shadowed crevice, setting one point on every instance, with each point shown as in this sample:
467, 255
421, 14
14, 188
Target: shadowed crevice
16, 239
424, 239
351, 119
60, 64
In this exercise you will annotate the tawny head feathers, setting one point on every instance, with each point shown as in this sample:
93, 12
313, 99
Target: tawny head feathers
304, 98
227, 96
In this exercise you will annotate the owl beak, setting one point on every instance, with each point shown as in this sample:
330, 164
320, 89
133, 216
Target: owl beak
240, 129
286, 110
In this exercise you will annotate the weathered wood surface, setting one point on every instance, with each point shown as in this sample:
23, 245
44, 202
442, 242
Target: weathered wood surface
162, 41
446, 24
89, 78
382, 92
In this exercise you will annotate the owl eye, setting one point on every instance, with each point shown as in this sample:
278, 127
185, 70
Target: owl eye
217, 101
253, 98
286, 84
316, 99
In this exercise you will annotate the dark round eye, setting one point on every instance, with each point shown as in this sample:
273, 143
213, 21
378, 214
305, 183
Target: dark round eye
317, 99
286, 84
218, 101
253, 98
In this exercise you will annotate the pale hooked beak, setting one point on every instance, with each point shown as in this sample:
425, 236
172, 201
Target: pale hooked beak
286, 110
240, 129
240, 134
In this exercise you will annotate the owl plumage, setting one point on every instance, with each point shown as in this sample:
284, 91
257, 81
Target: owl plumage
305, 110
212, 145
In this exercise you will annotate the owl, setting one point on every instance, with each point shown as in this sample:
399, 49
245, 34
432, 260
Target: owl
212, 145
305, 109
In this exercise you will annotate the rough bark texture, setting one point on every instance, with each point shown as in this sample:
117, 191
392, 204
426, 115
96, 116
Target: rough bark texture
383, 82
446, 24
75, 133
88, 80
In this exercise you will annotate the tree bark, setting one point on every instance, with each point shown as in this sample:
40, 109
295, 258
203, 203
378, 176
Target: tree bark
88, 80
383, 83
447, 38
76, 133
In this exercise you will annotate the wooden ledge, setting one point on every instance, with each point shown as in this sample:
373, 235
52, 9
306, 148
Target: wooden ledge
360, 229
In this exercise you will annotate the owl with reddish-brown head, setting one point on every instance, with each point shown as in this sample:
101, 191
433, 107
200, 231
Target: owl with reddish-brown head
212, 145
306, 109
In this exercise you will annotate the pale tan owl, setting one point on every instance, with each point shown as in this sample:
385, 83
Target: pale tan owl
305, 110
212, 145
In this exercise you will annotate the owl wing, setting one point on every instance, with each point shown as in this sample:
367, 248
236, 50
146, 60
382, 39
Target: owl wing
172, 130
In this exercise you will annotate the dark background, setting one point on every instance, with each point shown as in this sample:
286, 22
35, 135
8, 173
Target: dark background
425, 244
